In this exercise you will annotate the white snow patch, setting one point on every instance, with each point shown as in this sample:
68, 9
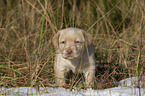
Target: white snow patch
126, 88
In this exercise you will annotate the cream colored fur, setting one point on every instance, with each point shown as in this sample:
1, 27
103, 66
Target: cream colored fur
74, 51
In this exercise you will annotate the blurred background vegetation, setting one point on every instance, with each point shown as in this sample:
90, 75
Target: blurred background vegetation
27, 27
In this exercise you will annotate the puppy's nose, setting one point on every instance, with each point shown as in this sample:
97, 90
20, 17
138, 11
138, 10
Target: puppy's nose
69, 51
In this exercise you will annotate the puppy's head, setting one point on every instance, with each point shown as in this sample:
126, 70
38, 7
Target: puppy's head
71, 42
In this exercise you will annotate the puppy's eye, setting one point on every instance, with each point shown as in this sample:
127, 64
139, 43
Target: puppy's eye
63, 42
77, 42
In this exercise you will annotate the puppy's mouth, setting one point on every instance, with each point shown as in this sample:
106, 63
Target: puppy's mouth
70, 56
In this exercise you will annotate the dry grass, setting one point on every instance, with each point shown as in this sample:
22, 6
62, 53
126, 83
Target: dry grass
27, 26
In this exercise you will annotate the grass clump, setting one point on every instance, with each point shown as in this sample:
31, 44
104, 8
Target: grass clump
26, 29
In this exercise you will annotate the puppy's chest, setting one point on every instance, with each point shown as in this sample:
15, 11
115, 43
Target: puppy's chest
74, 65
77, 66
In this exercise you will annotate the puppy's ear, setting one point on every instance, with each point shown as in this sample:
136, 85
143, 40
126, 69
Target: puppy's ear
55, 40
88, 38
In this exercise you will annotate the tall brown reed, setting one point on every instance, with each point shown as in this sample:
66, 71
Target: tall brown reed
115, 26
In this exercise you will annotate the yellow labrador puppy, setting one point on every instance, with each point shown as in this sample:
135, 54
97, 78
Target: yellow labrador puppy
74, 51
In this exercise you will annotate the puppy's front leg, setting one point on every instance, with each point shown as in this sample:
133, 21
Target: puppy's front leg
89, 78
60, 78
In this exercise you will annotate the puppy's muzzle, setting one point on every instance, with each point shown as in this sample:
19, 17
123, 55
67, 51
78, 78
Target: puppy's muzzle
69, 51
